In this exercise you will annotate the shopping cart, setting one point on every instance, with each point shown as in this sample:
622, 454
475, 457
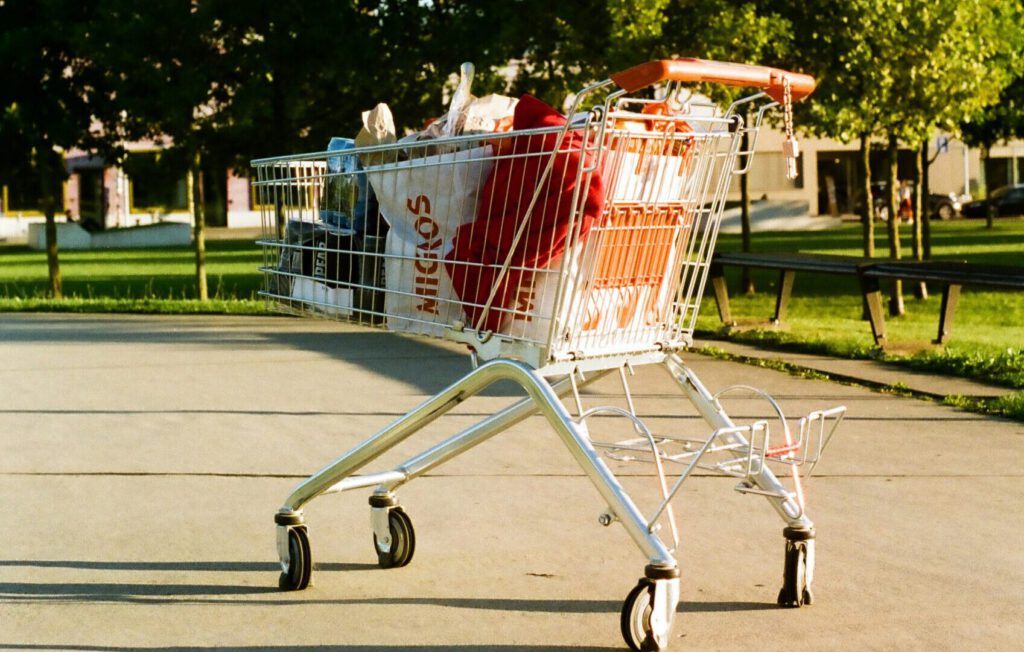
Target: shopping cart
559, 252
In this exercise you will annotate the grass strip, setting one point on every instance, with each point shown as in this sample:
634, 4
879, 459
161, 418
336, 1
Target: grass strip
1010, 406
148, 306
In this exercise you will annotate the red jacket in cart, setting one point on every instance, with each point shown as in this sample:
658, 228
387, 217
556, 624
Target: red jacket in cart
482, 246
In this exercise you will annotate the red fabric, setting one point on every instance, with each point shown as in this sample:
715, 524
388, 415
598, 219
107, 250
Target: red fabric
504, 200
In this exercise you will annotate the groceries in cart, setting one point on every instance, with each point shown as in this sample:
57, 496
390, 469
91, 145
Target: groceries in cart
467, 221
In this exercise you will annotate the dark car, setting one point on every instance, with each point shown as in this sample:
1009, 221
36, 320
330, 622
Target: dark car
1006, 201
943, 207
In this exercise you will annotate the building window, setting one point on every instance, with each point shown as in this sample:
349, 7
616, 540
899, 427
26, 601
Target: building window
20, 195
156, 183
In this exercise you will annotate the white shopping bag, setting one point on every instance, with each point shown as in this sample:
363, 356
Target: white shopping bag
425, 200
322, 298
529, 316
648, 178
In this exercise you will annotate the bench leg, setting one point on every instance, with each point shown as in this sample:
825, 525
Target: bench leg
786, 277
920, 290
896, 307
950, 295
872, 293
721, 294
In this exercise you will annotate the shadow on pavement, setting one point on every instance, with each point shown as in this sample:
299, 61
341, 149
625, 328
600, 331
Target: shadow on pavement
199, 566
223, 594
316, 648
417, 361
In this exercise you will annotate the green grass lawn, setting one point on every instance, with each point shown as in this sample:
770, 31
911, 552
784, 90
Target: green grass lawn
824, 314
150, 280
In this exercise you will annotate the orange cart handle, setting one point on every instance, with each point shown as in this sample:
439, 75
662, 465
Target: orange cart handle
767, 79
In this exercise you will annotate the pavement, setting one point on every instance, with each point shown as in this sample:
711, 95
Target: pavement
778, 215
142, 460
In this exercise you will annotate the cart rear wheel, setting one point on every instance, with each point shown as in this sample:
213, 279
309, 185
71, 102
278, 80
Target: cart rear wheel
795, 591
636, 618
298, 571
403, 541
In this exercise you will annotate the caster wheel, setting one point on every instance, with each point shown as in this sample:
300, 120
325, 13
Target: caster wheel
795, 591
297, 572
636, 618
403, 541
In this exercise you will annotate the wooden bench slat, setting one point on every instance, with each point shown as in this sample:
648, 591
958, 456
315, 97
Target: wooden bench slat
955, 272
822, 263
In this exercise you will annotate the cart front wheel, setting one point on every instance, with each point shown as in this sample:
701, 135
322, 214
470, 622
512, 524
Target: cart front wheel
297, 570
795, 592
636, 618
399, 551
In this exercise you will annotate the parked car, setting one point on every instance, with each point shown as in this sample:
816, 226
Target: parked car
1006, 201
943, 207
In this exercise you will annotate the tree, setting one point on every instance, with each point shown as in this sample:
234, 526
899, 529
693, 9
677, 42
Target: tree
48, 100
957, 64
299, 74
162, 62
853, 91
1001, 121
899, 69
296, 74
952, 60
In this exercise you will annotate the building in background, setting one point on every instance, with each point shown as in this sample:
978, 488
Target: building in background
149, 189
831, 181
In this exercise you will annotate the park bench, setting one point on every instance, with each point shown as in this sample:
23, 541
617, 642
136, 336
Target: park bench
951, 275
788, 264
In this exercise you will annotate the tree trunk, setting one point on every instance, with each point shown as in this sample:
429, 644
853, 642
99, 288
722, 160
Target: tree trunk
896, 301
920, 209
989, 215
49, 207
867, 216
746, 281
926, 215
197, 202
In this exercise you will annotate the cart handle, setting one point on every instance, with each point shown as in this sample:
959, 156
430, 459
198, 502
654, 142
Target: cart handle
770, 80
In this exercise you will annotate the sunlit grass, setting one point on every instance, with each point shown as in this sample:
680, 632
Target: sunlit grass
133, 274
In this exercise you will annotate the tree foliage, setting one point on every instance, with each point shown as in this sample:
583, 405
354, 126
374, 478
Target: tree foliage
226, 81
49, 99
1002, 120
904, 67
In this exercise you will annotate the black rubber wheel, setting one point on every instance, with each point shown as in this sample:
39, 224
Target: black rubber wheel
945, 211
795, 592
808, 596
299, 572
636, 618
403, 541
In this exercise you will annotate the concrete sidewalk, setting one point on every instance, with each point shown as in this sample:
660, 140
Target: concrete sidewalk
142, 460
